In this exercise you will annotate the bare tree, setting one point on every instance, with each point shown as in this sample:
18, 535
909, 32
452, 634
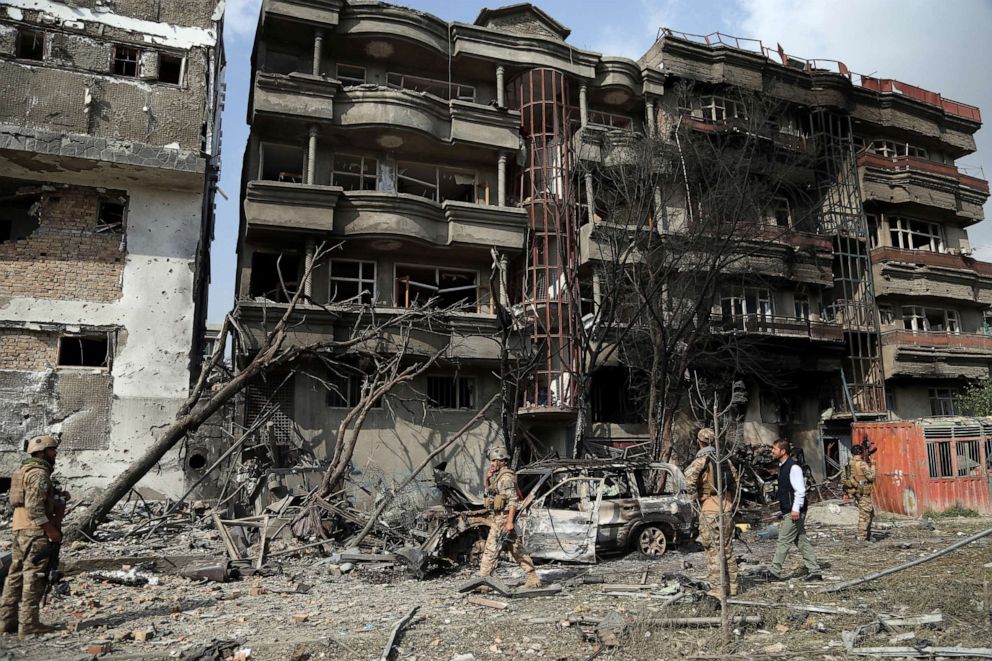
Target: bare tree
382, 339
678, 217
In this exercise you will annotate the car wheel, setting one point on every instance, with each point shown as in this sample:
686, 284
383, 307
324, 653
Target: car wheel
651, 541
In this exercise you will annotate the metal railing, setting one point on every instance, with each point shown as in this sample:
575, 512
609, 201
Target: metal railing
903, 163
757, 324
930, 258
937, 339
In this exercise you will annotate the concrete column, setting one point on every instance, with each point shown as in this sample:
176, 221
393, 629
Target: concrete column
501, 181
307, 263
649, 117
500, 87
597, 290
318, 50
504, 294
583, 109
590, 197
312, 156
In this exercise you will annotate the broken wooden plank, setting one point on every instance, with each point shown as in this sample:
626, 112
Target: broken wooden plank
827, 610
232, 550
923, 652
543, 591
488, 603
907, 565
624, 587
490, 581
358, 556
262, 541
400, 623
918, 621
701, 621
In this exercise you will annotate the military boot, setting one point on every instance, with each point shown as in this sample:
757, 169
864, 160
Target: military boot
9, 627
34, 629
533, 581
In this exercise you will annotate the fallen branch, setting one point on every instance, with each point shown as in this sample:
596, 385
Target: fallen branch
374, 516
827, 610
400, 623
913, 563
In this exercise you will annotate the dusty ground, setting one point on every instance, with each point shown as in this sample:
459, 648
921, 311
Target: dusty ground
349, 617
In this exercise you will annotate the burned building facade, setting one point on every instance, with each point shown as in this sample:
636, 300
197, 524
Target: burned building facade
109, 154
427, 147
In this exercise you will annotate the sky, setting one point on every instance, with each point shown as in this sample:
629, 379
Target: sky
940, 46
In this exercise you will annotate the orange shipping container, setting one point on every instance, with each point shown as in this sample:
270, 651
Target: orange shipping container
930, 464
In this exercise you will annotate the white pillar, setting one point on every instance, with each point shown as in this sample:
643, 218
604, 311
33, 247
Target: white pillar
583, 110
649, 117
590, 197
318, 49
312, 156
504, 294
307, 264
501, 181
597, 290
500, 87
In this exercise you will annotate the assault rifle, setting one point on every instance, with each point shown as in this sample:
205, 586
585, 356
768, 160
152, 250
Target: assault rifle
53, 577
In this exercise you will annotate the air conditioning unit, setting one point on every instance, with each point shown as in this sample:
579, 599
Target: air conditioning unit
965, 247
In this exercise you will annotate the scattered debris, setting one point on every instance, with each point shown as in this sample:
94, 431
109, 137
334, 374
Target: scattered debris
400, 623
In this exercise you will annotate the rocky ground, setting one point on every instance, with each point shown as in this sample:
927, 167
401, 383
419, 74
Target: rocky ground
313, 608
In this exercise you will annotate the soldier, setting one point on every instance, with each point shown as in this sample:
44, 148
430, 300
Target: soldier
501, 501
715, 511
859, 476
36, 528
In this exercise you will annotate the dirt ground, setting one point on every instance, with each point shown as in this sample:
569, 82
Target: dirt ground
350, 616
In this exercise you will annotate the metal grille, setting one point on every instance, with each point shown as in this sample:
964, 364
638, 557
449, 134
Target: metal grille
951, 431
84, 405
278, 392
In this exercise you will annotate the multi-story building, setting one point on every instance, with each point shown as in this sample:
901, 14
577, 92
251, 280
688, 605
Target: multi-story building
109, 153
423, 145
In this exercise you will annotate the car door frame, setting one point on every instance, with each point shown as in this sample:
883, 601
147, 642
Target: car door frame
563, 534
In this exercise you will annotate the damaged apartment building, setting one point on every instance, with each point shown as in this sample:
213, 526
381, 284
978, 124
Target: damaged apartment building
423, 145
109, 154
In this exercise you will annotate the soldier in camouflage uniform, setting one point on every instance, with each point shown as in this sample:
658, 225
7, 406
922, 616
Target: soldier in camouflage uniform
714, 511
36, 528
502, 501
859, 476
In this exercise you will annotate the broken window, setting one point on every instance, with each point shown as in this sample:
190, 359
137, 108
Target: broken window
352, 280
350, 75
719, 109
281, 62
942, 402
415, 285
611, 395
274, 276
801, 305
126, 61
110, 217
872, 229
31, 45
451, 392
780, 213
968, 461
910, 234
608, 119
435, 183
354, 172
344, 390
939, 458
281, 163
654, 482
18, 213
439, 88
81, 351
747, 302
170, 69
920, 319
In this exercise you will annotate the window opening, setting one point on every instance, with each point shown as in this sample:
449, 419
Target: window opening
31, 45
415, 285
282, 163
126, 61
354, 172
439, 88
435, 183
76, 351
265, 270
449, 392
170, 69
910, 234
281, 62
110, 217
939, 459
352, 280
942, 402
802, 309
968, 459
350, 75
345, 390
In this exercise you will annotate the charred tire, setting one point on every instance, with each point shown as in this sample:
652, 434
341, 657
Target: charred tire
650, 540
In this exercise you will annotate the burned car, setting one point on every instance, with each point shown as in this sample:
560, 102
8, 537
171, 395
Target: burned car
583, 509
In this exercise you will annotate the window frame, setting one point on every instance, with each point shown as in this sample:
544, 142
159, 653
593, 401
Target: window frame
476, 302
450, 90
349, 80
34, 34
115, 58
360, 280
457, 382
917, 317
436, 185
942, 399
363, 173
710, 104
104, 337
182, 69
902, 229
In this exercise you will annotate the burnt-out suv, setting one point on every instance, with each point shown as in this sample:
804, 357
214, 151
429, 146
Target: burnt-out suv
582, 509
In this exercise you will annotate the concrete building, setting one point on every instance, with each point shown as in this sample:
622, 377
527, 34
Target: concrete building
413, 140
109, 154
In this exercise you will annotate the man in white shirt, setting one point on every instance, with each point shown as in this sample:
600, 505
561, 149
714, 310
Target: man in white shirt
792, 503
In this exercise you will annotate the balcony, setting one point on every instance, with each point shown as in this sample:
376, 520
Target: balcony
295, 94
907, 179
324, 12
372, 213
288, 207
783, 327
925, 273
936, 354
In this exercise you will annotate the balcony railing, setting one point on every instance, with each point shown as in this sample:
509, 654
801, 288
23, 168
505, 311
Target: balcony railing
756, 324
904, 163
938, 339
930, 258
